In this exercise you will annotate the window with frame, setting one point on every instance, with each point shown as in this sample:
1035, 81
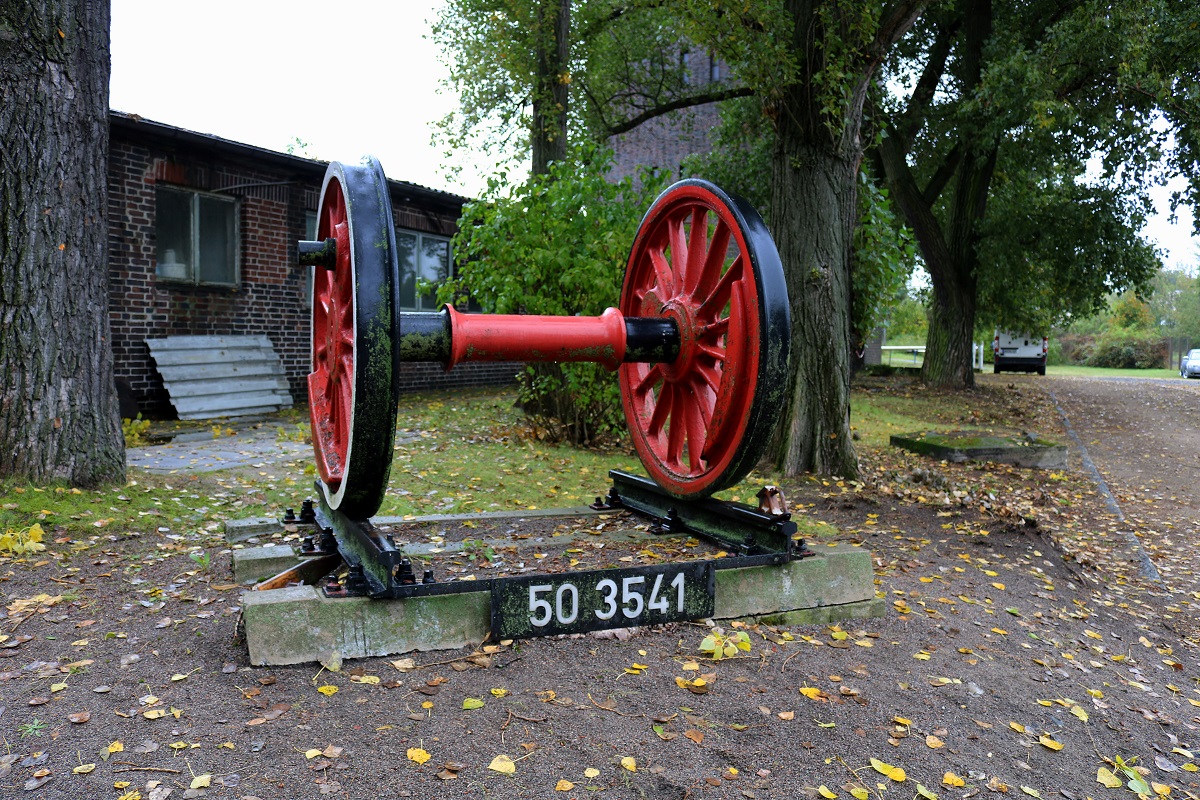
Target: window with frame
424, 260
196, 237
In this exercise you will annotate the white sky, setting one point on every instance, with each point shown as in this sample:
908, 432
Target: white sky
348, 78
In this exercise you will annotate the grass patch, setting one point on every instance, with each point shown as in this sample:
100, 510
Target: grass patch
1108, 372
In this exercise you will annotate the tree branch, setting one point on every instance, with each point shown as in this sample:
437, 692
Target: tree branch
942, 176
674, 105
931, 76
893, 24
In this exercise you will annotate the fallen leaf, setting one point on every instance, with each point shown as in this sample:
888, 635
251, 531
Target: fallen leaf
591, 772
826, 792
696, 736
470, 703
503, 764
629, 763
934, 742
202, 781
1050, 743
84, 769
564, 786
79, 717
1106, 777
952, 780
327, 690
417, 755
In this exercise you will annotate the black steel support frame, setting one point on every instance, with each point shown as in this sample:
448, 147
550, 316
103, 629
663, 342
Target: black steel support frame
379, 568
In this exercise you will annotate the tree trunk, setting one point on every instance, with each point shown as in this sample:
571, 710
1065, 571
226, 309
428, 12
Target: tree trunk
816, 261
551, 85
59, 416
951, 334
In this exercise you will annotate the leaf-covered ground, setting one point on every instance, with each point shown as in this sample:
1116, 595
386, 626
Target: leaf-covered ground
1022, 654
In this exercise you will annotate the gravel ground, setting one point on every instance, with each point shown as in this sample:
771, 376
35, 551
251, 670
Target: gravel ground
1021, 655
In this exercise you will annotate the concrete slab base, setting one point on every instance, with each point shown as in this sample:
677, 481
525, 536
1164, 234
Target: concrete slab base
957, 446
298, 624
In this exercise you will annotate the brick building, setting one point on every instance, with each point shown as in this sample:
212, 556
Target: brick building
202, 241
664, 142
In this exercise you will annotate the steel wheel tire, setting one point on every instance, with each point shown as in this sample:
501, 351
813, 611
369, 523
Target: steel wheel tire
705, 259
353, 387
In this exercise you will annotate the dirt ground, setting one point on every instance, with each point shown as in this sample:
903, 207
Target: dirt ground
1022, 654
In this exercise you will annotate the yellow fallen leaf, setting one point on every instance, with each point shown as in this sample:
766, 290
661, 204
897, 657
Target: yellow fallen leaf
1050, 743
902, 721
1160, 789
327, 690
1029, 790
629, 763
591, 772
1106, 777
84, 769
563, 786
116, 747
860, 793
1189, 767
471, 703
417, 755
154, 713
503, 764
927, 794
825, 792
179, 676
499, 692
812, 693
895, 773
57, 687
202, 781
1016, 726
1079, 712
312, 752
228, 745
370, 680
933, 742
1000, 631
178, 745
950, 779
121, 785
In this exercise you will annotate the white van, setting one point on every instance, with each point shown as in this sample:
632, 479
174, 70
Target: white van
1019, 352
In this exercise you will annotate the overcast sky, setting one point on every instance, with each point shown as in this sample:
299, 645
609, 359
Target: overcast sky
348, 78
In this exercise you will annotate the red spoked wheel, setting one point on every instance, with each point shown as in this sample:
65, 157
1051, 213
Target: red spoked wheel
352, 389
705, 260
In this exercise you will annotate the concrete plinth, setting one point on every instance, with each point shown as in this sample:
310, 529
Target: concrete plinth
298, 624
958, 446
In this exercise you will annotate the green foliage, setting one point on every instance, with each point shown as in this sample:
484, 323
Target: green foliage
202, 559
135, 431
1117, 348
478, 550
1131, 312
719, 644
908, 321
302, 432
33, 728
883, 260
555, 244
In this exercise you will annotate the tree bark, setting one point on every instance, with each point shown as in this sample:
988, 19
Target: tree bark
551, 91
59, 416
811, 184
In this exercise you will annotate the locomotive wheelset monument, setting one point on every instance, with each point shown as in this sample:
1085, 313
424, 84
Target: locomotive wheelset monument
700, 341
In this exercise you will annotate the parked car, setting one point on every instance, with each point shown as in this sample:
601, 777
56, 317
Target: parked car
1189, 365
1019, 352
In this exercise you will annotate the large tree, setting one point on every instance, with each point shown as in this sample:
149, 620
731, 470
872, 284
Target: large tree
59, 416
1020, 155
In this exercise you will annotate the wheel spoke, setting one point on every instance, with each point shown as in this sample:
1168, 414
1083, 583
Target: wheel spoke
649, 380
661, 411
696, 420
679, 251
662, 273
676, 430
714, 261
693, 269
716, 301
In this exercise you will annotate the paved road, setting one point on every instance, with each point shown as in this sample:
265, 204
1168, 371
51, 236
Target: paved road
1143, 435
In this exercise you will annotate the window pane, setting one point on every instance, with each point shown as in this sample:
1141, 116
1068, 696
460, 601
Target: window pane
306, 282
406, 257
217, 257
435, 267
173, 234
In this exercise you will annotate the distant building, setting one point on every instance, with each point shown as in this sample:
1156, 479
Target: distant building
202, 241
664, 142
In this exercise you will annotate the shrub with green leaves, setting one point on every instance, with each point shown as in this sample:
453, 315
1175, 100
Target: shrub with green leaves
555, 244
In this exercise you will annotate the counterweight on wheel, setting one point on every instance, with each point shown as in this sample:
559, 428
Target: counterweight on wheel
700, 339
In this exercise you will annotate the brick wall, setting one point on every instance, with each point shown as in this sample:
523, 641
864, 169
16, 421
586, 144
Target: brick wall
269, 298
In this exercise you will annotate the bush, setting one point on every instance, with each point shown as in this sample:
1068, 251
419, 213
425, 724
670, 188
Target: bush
556, 244
1127, 349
